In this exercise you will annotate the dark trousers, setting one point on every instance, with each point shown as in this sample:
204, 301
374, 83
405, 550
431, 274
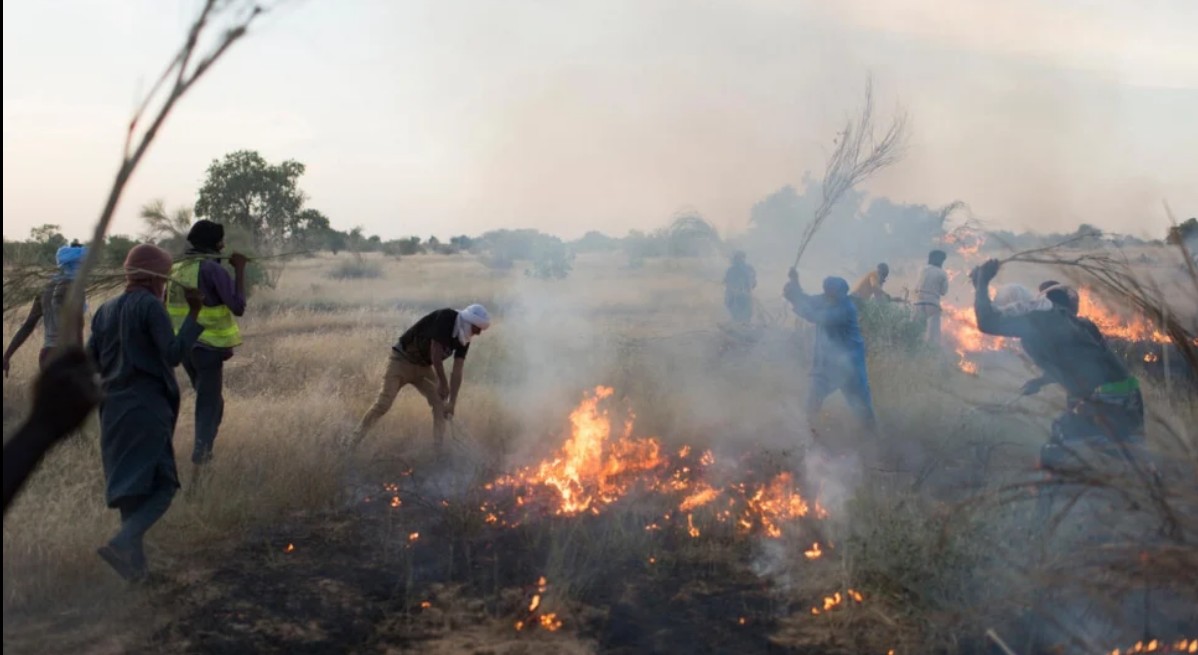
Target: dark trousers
205, 368
852, 382
138, 515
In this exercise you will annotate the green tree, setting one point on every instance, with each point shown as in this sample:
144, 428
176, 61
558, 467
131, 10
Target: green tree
246, 191
167, 229
45, 240
116, 248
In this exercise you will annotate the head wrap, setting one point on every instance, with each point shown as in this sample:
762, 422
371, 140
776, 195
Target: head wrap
473, 316
1018, 300
69, 258
206, 236
146, 267
836, 287
937, 257
1061, 295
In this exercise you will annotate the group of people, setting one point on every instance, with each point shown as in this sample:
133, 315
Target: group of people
174, 313
185, 313
1104, 407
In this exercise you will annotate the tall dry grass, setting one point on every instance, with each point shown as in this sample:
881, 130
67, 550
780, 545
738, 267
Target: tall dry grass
928, 529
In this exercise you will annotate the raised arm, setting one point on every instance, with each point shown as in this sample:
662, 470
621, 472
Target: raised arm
989, 319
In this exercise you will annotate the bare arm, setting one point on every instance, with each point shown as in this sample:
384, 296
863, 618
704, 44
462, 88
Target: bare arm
18, 339
437, 354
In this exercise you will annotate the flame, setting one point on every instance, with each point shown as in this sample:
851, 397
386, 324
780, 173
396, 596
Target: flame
592, 468
290, 548
741, 620
967, 240
414, 536
1156, 646
1150, 357
814, 552
1112, 324
550, 622
395, 502
961, 333
837, 600
424, 604
599, 464
773, 503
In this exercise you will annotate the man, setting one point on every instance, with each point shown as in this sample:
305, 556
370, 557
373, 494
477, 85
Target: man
839, 362
417, 359
1104, 401
224, 299
870, 286
1065, 298
47, 306
739, 282
64, 393
136, 349
932, 286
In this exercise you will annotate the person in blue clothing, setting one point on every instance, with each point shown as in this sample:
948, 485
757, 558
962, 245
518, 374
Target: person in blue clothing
839, 362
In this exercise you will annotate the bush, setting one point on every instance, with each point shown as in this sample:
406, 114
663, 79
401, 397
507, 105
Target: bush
890, 326
356, 268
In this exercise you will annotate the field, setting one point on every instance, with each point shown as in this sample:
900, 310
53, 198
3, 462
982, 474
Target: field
743, 526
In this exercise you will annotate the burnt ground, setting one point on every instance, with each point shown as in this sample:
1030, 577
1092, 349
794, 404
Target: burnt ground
356, 580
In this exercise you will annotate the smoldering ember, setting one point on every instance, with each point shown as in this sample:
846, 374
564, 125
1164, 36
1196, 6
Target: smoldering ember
743, 328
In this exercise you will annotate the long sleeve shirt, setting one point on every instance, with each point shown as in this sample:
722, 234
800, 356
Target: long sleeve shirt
838, 340
932, 285
1058, 343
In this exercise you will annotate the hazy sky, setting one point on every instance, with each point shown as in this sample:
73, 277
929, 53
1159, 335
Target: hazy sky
446, 117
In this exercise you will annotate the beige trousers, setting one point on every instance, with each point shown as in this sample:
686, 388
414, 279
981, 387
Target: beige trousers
401, 372
932, 329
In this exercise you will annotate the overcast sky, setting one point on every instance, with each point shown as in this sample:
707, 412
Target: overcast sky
456, 116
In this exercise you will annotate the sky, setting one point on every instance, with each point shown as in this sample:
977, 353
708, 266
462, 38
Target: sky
445, 117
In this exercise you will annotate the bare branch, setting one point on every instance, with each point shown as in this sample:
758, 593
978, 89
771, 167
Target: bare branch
72, 311
857, 156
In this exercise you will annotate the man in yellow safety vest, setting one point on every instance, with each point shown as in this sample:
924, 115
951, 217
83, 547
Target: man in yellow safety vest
224, 299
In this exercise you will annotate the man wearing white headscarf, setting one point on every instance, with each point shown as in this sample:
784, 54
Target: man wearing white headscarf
417, 359
1104, 404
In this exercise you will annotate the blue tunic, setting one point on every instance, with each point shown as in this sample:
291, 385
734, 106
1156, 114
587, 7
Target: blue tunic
839, 359
135, 350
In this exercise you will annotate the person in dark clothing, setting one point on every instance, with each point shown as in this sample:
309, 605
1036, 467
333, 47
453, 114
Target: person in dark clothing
1066, 299
839, 362
739, 282
1104, 402
224, 299
136, 349
416, 359
64, 393
48, 305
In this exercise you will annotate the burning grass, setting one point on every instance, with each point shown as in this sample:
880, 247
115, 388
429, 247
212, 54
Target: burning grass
678, 507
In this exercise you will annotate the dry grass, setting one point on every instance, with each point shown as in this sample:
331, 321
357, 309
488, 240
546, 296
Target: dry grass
938, 562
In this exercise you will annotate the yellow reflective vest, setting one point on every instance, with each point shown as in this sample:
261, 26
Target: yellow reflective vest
220, 328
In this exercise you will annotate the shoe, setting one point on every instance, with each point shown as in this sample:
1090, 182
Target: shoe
122, 563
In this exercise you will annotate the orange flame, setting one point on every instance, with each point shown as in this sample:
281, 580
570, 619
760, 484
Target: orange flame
814, 552
1112, 324
592, 468
290, 548
960, 332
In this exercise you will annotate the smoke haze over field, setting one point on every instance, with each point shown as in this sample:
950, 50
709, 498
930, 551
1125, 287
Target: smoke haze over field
450, 118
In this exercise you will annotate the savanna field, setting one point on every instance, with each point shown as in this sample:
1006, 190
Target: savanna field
627, 473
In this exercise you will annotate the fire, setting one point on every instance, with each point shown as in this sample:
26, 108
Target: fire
814, 552
838, 600
961, 333
1156, 646
414, 536
599, 464
967, 240
290, 548
592, 468
773, 503
550, 622
1138, 328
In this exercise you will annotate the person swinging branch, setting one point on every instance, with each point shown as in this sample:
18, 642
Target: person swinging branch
416, 359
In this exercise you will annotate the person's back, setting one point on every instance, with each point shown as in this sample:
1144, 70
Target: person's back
1059, 343
124, 349
932, 285
740, 278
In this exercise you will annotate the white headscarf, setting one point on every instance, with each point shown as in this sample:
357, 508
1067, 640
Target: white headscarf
1018, 300
473, 316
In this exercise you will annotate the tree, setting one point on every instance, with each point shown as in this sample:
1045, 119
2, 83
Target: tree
166, 229
45, 241
311, 229
116, 248
245, 190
